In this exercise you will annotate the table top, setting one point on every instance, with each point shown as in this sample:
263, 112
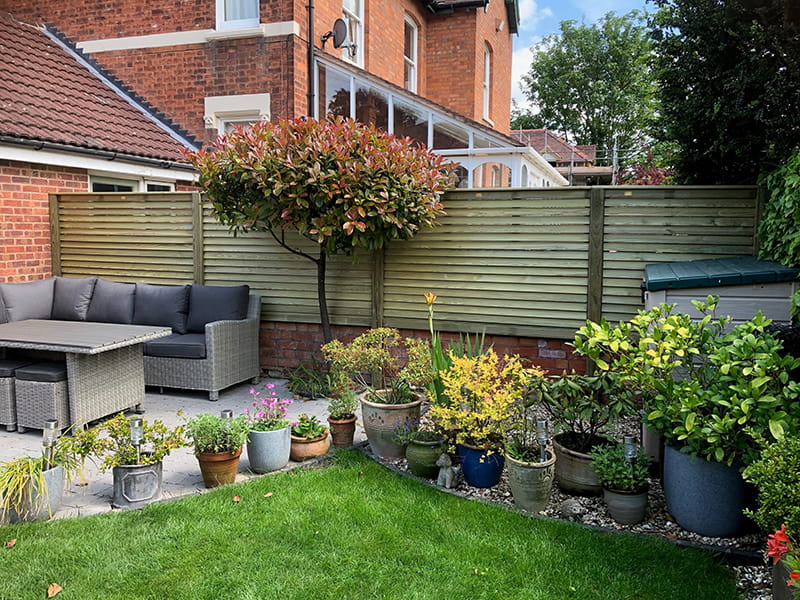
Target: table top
79, 337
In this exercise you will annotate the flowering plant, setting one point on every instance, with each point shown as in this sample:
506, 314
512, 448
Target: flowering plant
308, 427
780, 547
267, 414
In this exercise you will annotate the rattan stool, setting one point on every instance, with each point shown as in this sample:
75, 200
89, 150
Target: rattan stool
8, 404
42, 394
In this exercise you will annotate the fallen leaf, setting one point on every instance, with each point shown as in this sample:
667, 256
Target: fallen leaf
11, 543
360, 473
268, 494
53, 589
236, 498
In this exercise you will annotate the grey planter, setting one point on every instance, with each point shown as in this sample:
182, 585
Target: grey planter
136, 485
45, 502
706, 497
626, 508
269, 450
574, 471
531, 483
780, 575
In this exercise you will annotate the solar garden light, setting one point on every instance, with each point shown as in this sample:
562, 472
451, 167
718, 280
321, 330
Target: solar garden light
137, 434
629, 448
227, 416
49, 437
541, 437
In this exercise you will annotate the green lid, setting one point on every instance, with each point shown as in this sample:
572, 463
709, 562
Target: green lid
737, 270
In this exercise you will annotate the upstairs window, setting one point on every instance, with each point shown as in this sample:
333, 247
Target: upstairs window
237, 14
353, 14
410, 55
487, 81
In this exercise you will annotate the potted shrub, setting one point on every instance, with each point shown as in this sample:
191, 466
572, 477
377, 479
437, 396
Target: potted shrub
774, 475
711, 391
424, 445
581, 408
218, 442
342, 406
483, 391
623, 471
269, 438
134, 450
309, 438
388, 368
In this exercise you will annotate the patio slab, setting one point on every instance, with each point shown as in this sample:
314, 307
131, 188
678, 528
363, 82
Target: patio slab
181, 472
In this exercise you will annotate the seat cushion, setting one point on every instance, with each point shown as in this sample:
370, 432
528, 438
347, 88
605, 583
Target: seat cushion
9, 365
30, 300
71, 298
161, 305
209, 303
43, 371
112, 302
187, 345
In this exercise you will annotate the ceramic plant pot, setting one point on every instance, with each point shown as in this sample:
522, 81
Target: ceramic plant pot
780, 575
531, 482
422, 456
626, 507
305, 448
574, 472
342, 432
381, 422
480, 468
268, 450
219, 468
136, 485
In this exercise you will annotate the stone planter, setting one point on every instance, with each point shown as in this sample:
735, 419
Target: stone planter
626, 507
219, 468
531, 482
136, 485
305, 448
44, 502
780, 575
268, 450
422, 456
342, 432
381, 421
574, 472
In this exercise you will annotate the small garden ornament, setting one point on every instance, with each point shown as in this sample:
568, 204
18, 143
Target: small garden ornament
447, 473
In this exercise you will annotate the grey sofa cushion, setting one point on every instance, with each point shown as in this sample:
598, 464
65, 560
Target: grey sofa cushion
187, 345
112, 302
209, 303
71, 298
9, 365
43, 371
30, 300
161, 305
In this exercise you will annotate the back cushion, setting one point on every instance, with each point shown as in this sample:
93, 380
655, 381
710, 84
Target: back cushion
71, 298
208, 303
161, 305
31, 300
112, 302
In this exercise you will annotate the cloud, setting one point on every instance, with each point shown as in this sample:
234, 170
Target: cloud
530, 14
530, 17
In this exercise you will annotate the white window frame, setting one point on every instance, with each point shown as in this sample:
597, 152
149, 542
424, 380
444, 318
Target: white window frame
355, 32
137, 184
242, 109
223, 24
487, 81
410, 62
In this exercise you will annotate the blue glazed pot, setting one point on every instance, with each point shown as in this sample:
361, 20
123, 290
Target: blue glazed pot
480, 469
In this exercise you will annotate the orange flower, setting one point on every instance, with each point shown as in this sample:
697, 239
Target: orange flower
430, 298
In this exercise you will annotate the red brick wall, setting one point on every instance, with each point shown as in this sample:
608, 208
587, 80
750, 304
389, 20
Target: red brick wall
286, 345
25, 216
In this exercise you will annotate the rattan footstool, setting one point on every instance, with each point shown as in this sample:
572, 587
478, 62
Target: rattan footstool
8, 404
42, 394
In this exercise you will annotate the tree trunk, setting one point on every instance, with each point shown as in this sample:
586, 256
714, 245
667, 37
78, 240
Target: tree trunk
323, 302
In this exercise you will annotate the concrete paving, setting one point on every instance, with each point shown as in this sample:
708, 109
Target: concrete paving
181, 472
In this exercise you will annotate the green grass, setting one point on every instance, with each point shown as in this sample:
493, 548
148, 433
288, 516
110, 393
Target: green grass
354, 530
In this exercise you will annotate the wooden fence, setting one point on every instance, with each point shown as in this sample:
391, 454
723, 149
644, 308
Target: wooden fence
527, 262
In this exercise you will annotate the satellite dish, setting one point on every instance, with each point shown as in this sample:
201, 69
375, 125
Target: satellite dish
339, 33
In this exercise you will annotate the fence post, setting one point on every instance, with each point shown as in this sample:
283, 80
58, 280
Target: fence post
376, 311
198, 260
55, 236
761, 198
594, 287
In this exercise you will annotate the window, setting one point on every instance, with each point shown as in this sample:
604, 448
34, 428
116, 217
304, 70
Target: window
223, 112
109, 184
237, 14
353, 14
158, 186
410, 55
487, 80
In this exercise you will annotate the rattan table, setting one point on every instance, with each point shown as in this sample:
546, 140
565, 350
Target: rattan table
105, 367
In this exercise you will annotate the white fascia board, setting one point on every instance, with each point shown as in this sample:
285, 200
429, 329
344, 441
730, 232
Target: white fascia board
183, 38
526, 153
81, 161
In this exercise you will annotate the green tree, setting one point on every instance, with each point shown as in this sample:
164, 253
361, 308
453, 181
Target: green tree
341, 184
593, 83
729, 77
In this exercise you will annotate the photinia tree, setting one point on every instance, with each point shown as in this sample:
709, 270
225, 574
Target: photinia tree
343, 185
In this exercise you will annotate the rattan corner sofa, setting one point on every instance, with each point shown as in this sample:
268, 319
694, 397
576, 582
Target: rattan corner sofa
214, 343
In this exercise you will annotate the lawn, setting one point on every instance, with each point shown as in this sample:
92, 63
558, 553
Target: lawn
353, 530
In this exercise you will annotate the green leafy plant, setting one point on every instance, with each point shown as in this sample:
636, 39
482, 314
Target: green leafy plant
309, 380
267, 414
774, 475
522, 441
343, 185
213, 433
615, 471
308, 427
343, 406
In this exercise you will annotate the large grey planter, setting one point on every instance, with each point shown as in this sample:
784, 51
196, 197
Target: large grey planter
136, 485
706, 497
44, 502
626, 508
269, 450
381, 422
531, 483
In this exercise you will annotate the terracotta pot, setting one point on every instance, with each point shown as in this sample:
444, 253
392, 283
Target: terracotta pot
218, 468
343, 432
304, 448
382, 420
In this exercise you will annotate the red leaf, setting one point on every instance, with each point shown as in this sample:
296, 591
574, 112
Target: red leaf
236, 498
53, 589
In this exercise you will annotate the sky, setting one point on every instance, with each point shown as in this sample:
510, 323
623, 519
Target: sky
539, 18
